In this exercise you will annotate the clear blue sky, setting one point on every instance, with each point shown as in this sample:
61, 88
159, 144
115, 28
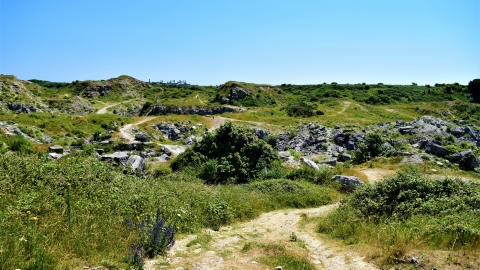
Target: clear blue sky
210, 42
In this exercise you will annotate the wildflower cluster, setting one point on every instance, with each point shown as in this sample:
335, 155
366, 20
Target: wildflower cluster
155, 236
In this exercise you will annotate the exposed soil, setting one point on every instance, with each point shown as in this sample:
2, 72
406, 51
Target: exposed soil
224, 250
376, 175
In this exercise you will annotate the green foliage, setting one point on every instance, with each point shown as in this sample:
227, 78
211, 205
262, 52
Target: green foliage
409, 209
321, 176
156, 237
474, 89
300, 109
373, 147
76, 208
289, 193
231, 154
19, 144
161, 170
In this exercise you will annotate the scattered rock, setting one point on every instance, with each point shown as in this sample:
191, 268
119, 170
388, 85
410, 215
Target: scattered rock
136, 164
436, 149
405, 129
345, 157
349, 182
469, 161
54, 155
120, 158
142, 137
284, 154
189, 140
55, 149
167, 151
457, 132
331, 162
310, 163
261, 134
146, 154
163, 158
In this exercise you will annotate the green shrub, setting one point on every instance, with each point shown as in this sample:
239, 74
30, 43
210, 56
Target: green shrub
321, 176
300, 109
20, 144
373, 147
409, 209
161, 170
231, 154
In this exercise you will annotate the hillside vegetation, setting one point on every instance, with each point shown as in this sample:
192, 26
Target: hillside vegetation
111, 173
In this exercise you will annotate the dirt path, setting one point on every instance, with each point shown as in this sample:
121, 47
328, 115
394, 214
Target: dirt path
224, 250
346, 104
376, 175
127, 130
105, 108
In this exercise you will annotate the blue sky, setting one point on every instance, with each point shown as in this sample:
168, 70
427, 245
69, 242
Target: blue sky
210, 42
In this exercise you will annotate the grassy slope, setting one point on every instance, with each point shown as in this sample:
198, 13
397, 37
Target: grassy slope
74, 211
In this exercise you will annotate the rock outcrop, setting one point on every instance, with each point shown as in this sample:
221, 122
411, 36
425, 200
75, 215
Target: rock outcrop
236, 93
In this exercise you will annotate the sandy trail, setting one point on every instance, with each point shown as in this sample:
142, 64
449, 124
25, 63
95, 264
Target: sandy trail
346, 104
127, 130
224, 251
104, 109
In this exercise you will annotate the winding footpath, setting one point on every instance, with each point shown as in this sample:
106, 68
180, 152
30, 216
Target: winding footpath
225, 248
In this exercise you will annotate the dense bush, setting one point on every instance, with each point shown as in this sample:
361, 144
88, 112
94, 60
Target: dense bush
411, 193
372, 147
231, 154
321, 176
300, 109
409, 210
19, 144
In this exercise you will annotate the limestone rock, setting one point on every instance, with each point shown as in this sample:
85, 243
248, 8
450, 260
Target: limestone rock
54, 155
349, 182
136, 163
436, 149
331, 162
284, 154
120, 158
310, 163
55, 149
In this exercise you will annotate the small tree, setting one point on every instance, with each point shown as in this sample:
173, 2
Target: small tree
474, 89
231, 154
373, 147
